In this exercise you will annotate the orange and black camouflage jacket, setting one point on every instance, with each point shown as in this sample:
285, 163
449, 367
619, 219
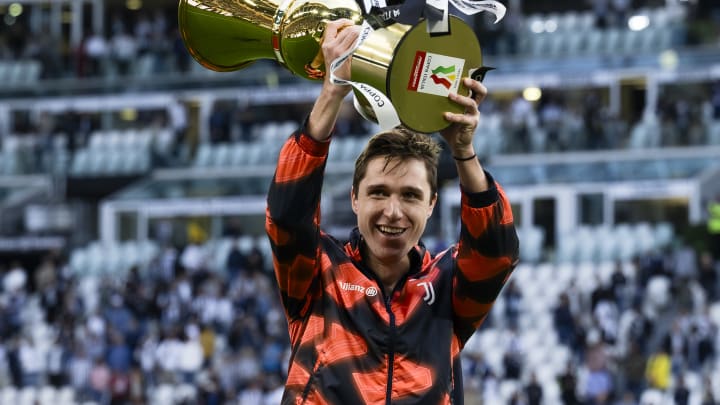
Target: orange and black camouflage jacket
350, 343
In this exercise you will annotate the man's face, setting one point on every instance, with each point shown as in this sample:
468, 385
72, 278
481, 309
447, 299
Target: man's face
392, 205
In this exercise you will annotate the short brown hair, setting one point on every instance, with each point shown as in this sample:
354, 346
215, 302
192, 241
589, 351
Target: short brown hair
403, 144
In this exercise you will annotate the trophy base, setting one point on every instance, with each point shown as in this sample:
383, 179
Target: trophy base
425, 69
417, 71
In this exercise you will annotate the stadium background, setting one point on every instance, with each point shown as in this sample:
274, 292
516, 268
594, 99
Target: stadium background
133, 265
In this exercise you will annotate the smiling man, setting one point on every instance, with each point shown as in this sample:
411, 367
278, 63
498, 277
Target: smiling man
379, 320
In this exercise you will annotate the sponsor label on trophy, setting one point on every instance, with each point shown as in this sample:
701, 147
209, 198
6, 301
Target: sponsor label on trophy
436, 74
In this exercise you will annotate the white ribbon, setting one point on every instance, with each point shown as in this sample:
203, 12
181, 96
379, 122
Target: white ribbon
374, 3
385, 112
470, 7
442, 25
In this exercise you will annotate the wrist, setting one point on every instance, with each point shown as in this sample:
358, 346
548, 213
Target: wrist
335, 91
463, 158
463, 154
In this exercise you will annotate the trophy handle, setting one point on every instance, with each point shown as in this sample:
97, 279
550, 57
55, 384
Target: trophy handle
227, 35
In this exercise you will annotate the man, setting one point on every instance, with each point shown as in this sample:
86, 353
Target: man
379, 320
713, 225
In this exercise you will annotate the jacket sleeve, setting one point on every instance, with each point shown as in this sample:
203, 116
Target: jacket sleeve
292, 219
486, 254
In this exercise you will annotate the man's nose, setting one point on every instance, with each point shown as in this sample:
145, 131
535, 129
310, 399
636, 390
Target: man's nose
393, 208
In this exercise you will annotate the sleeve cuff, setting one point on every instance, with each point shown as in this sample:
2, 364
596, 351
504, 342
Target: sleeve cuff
483, 198
308, 144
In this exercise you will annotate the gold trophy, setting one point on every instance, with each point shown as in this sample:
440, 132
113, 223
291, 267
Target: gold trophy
414, 69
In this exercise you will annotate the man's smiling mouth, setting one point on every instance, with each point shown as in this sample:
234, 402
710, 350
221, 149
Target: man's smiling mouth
390, 230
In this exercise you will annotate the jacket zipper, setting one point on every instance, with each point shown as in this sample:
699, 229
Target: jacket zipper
391, 350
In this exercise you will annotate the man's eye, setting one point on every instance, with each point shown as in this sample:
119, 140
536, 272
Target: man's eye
411, 196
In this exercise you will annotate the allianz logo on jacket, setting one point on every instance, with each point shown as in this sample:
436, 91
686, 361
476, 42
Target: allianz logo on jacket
370, 291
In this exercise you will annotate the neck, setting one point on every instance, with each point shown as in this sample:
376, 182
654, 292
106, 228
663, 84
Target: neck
389, 273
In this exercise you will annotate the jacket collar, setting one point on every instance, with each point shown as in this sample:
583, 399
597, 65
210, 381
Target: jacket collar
356, 244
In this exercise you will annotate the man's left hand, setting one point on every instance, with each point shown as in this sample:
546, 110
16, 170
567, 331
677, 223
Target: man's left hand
459, 135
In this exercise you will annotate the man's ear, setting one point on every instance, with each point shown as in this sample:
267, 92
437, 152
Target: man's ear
433, 201
353, 200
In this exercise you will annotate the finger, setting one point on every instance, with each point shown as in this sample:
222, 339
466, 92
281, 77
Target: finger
469, 103
478, 91
347, 36
331, 30
334, 27
342, 40
462, 119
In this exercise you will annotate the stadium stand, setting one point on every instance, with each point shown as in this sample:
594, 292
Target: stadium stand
133, 268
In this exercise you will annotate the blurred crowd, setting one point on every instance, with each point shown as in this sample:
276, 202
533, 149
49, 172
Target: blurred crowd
176, 321
646, 335
173, 321
147, 42
221, 332
150, 39
561, 121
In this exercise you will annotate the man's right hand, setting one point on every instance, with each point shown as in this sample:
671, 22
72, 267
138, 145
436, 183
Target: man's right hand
339, 37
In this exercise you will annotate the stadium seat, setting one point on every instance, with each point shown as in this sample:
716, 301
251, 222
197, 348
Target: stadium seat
532, 242
221, 155
162, 395
115, 140
644, 237
508, 388
607, 245
714, 133
184, 393
238, 154
47, 395
80, 162
33, 72
557, 44
631, 42
288, 127
8, 395
653, 397
568, 22
567, 249
114, 162
714, 313
66, 396
15, 73
96, 140
574, 42
204, 155
587, 244
625, 245
98, 162
269, 154
539, 45
27, 396
586, 20
610, 43
657, 296
4, 73
593, 43
640, 136
254, 154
